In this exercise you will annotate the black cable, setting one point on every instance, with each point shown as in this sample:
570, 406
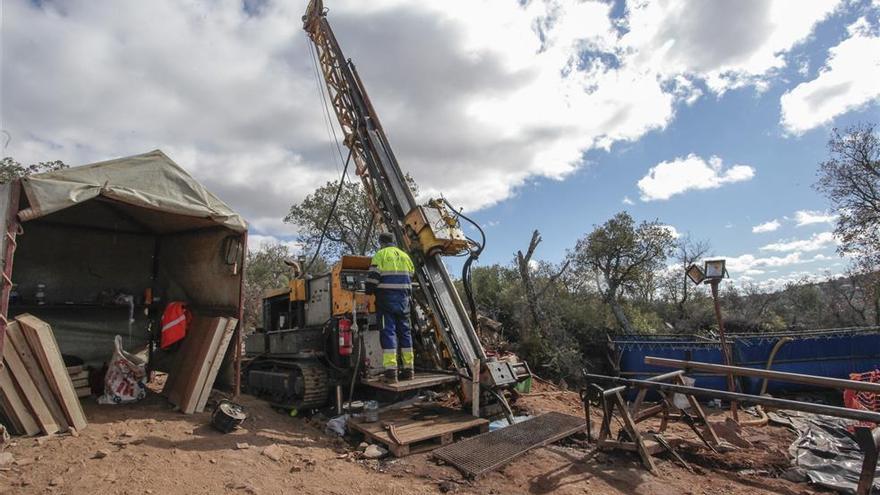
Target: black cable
330, 215
474, 255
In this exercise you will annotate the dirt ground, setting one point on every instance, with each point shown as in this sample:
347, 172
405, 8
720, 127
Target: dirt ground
148, 448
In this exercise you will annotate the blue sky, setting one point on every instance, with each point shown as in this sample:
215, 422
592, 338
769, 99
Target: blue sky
530, 114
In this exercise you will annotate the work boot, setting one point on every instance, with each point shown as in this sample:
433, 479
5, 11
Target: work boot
390, 376
407, 374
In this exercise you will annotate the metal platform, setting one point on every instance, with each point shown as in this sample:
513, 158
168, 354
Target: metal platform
421, 380
492, 450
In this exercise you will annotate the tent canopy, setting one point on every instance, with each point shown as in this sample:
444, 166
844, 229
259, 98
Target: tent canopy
149, 191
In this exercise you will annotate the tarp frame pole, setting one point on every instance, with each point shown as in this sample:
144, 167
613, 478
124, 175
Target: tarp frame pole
12, 226
240, 325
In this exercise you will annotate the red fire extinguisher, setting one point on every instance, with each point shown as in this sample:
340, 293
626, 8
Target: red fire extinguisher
345, 337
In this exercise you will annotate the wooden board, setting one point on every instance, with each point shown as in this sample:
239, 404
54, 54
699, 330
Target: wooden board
203, 360
83, 392
15, 407
195, 353
72, 370
15, 337
42, 341
29, 393
82, 375
420, 380
419, 429
216, 362
183, 364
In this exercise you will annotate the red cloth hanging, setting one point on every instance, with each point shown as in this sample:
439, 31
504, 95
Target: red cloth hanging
175, 320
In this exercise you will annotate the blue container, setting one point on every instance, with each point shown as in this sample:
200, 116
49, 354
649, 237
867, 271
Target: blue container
831, 353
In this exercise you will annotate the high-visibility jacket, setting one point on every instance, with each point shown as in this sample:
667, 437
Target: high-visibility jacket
175, 319
391, 269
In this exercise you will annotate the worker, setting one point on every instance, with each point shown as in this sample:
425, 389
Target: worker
390, 279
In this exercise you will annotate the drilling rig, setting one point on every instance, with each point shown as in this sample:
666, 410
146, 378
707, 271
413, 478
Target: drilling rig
321, 331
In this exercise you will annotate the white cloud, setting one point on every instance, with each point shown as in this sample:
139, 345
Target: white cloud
766, 227
628, 201
666, 179
850, 79
814, 243
258, 241
729, 44
229, 92
749, 263
809, 217
672, 231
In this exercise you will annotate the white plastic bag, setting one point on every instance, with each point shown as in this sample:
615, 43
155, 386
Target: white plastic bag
126, 379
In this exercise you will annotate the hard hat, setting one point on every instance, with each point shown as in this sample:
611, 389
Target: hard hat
386, 238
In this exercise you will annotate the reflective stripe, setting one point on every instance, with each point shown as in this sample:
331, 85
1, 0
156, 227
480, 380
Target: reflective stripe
395, 286
174, 322
408, 357
389, 359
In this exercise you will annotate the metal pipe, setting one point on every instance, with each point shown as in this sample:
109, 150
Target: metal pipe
725, 349
658, 378
840, 412
819, 381
868, 441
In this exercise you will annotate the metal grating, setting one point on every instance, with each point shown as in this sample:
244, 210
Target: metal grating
492, 450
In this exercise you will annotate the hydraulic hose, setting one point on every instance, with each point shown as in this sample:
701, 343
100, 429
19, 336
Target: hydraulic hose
473, 256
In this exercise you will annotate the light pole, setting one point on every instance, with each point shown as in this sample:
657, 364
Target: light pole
712, 273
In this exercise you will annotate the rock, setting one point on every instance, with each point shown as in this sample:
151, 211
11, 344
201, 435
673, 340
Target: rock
245, 487
448, 487
129, 434
101, 454
6, 458
374, 452
273, 452
212, 461
23, 462
56, 481
362, 446
242, 446
73, 432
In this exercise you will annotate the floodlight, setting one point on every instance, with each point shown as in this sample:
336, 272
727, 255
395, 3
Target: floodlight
715, 269
695, 274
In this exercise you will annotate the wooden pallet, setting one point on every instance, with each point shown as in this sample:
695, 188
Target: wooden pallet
421, 380
419, 429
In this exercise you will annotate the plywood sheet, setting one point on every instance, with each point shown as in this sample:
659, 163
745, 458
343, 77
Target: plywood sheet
14, 405
29, 393
16, 338
216, 362
42, 342
194, 359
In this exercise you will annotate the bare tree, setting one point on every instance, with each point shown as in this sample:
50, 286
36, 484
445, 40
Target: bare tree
534, 296
851, 180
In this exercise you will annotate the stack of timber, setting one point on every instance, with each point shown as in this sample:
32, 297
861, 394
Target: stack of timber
199, 358
37, 394
80, 378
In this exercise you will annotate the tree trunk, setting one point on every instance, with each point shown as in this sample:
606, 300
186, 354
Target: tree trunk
532, 298
617, 309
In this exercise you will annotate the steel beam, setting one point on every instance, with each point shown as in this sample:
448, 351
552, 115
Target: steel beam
819, 381
840, 412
